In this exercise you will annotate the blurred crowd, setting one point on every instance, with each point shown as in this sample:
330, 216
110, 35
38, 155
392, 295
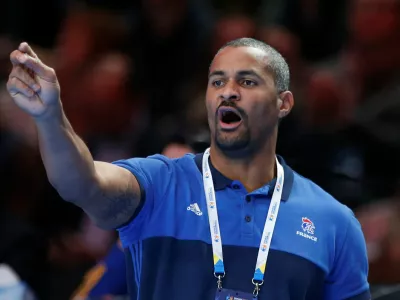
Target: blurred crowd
133, 76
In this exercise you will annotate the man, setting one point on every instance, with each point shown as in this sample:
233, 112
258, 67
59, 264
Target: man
166, 209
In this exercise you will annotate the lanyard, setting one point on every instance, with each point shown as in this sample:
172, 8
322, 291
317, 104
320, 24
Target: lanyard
219, 270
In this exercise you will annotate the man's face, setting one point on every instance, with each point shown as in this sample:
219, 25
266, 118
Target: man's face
242, 100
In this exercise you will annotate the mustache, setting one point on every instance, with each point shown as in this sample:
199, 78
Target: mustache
232, 104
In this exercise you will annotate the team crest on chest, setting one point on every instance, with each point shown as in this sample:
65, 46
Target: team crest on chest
308, 229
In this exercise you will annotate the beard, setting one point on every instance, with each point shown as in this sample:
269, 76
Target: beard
232, 141
234, 144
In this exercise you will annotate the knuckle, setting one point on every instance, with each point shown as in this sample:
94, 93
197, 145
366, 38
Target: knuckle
12, 82
52, 73
25, 89
19, 85
28, 91
14, 54
15, 73
9, 85
23, 85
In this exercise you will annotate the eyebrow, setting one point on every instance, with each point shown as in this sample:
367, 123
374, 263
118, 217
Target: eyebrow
216, 73
240, 73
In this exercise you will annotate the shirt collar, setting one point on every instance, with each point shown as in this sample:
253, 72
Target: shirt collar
221, 182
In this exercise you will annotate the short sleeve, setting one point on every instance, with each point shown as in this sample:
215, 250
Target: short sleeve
154, 174
349, 276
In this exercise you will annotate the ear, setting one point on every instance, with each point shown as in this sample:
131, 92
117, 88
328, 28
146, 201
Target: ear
286, 103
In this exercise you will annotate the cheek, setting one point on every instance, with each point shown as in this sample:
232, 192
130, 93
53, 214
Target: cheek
210, 115
264, 116
210, 106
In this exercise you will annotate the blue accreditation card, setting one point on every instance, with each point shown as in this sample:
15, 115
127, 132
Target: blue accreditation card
225, 294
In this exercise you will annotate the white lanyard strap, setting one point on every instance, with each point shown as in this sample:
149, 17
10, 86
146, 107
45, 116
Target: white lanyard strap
214, 224
213, 216
269, 225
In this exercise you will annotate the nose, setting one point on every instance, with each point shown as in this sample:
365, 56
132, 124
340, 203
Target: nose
230, 92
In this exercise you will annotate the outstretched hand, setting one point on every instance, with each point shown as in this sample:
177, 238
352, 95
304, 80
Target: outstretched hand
33, 85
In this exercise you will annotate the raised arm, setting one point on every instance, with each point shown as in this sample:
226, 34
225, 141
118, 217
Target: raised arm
107, 193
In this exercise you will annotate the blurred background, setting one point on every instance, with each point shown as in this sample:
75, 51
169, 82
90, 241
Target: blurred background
133, 76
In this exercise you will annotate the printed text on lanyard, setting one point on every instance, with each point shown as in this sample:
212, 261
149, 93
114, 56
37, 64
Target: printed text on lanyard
216, 240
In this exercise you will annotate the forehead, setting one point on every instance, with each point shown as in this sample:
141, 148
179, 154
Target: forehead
231, 59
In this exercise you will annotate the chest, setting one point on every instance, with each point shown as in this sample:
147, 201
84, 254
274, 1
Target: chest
300, 229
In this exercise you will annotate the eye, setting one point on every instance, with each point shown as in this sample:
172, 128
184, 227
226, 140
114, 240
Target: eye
248, 82
217, 83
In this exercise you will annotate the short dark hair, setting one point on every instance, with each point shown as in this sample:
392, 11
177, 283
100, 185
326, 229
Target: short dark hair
276, 64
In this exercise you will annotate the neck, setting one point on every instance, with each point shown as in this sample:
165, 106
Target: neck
253, 172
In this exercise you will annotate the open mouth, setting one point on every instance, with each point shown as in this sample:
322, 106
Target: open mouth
229, 117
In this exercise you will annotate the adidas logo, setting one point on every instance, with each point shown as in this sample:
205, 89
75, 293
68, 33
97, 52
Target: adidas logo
195, 208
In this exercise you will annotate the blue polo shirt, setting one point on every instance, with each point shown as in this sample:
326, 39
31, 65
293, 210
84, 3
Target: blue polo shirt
317, 252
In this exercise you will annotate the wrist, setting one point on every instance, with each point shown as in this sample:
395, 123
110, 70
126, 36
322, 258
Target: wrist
52, 116
50, 119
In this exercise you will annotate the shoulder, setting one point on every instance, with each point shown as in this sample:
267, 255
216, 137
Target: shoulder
154, 161
155, 164
158, 169
337, 223
307, 193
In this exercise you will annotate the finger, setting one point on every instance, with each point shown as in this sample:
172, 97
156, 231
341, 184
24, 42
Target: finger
20, 73
16, 86
14, 57
34, 64
24, 47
